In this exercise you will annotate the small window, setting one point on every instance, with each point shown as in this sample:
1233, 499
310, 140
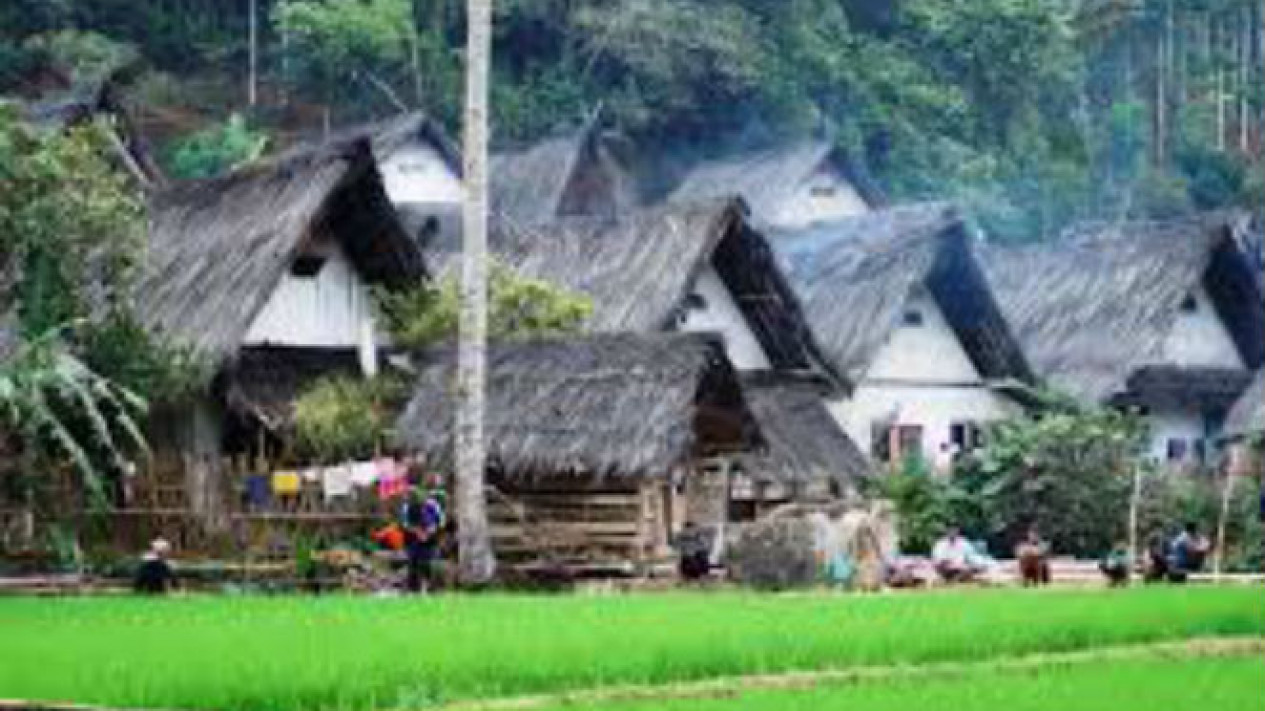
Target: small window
695, 302
1201, 451
1177, 449
822, 191
909, 439
1189, 304
959, 436
912, 317
307, 267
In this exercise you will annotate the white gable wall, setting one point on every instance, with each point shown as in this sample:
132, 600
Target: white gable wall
1201, 338
418, 174
824, 195
1174, 422
331, 309
921, 376
719, 313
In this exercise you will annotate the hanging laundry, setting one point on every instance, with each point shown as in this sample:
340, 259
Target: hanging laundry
258, 491
311, 475
337, 481
364, 473
392, 479
285, 483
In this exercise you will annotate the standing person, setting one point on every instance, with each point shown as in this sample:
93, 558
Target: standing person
423, 519
1033, 555
953, 557
154, 576
1115, 566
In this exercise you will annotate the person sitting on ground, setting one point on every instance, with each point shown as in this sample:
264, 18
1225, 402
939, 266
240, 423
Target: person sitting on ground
694, 549
954, 557
154, 576
1188, 553
1033, 555
1157, 560
1115, 566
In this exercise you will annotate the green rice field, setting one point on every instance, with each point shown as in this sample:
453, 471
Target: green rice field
1233, 684
309, 654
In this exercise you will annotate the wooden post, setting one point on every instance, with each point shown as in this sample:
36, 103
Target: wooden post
1219, 555
252, 85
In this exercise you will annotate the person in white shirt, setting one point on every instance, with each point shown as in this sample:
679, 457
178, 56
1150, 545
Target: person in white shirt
954, 557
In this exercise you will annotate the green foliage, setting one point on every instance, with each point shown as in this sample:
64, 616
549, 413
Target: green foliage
1067, 472
57, 408
217, 149
518, 307
83, 56
1172, 499
352, 51
71, 222
343, 418
124, 351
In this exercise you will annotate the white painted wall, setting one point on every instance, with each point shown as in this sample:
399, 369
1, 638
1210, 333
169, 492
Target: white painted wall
934, 407
1201, 338
921, 376
929, 353
1174, 422
824, 195
418, 174
721, 315
332, 309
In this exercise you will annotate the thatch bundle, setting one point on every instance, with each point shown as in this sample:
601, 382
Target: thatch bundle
607, 406
1097, 307
856, 275
639, 269
768, 178
803, 442
802, 545
220, 248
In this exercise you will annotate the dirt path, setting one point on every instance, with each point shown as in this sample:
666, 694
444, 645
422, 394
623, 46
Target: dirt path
730, 686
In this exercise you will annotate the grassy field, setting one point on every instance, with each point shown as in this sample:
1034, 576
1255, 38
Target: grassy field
1233, 684
304, 654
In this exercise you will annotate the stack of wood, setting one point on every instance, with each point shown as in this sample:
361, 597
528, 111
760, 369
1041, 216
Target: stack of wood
802, 545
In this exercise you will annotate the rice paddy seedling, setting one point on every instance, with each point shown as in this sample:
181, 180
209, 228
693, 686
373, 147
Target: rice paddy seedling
311, 654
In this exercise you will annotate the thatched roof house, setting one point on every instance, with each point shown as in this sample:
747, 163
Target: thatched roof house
857, 276
684, 267
902, 310
220, 249
787, 186
612, 406
1106, 305
581, 172
805, 452
1247, 417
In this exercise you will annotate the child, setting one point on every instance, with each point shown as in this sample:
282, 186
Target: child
154, 576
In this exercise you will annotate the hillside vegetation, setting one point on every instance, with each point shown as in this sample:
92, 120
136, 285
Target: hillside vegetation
1033, 112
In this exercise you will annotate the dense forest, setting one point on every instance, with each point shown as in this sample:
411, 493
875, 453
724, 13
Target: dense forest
1033, 113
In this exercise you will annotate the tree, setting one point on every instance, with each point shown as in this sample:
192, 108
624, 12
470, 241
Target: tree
476, 564
342, 418
217, 149
519, 307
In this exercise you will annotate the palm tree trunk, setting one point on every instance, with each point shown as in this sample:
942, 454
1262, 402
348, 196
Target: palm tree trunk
252, 82
476, 564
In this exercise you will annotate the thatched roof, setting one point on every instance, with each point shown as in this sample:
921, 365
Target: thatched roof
102, 99
220, 248
639, 269
607, 406
390, 135
263, 383
767, 178
578, 172
1247, 417
803, 442
860, 272
1098, 306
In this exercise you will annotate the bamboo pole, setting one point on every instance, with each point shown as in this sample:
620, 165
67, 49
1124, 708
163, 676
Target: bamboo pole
1219, 554
1135, 504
